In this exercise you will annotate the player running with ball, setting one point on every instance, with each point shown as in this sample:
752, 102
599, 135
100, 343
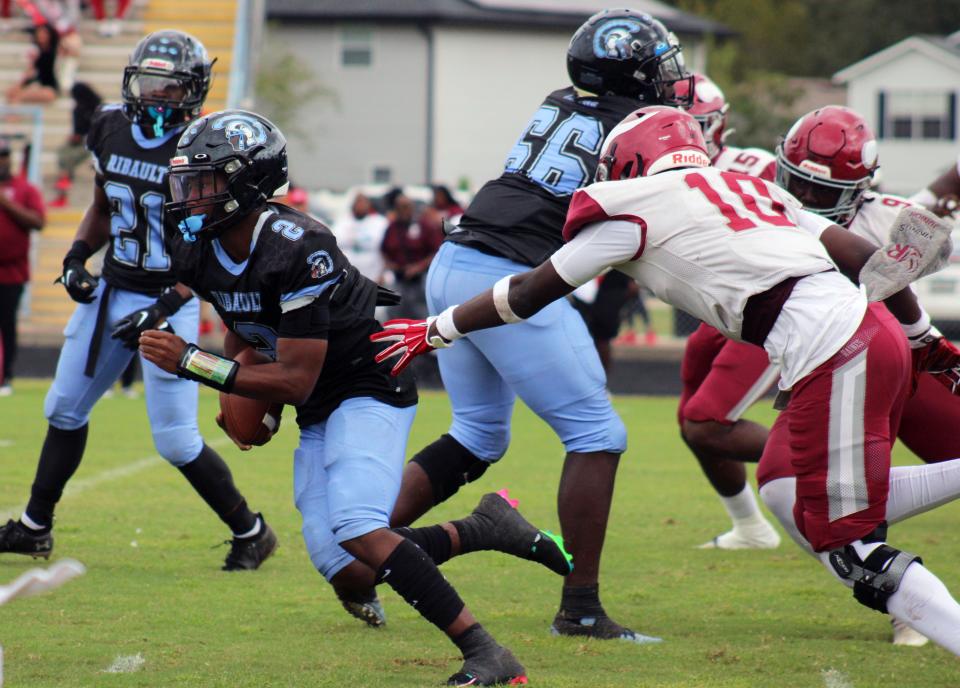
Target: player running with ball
741, 254
281, 284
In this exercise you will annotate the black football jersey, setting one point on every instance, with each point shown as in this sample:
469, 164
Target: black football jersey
133, 170
520, 214
297, 283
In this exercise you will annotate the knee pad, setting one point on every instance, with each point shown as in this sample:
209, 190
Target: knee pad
876, 578
449, 466
177, 445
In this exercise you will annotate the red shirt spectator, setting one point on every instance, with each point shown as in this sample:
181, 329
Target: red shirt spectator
16, 196
408, 246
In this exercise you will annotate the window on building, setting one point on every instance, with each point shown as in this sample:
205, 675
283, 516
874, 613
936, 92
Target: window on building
382, 175
918, 115
356, 46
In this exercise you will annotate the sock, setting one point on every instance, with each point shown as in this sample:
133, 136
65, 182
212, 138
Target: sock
59, 459
414, 576
915, 489
579, 601
433, 540
923, 602
253, 532
211, 478
474, 641
742, 506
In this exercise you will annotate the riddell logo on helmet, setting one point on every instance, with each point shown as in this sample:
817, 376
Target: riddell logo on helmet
815, 168
690, 158
154, 63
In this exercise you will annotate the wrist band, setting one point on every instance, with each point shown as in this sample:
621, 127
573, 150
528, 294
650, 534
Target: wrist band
207, 368
918, 328
446, 327
171, 300
80, 250
501, 301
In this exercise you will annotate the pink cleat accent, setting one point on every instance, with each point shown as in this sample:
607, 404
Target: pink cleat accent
505, 493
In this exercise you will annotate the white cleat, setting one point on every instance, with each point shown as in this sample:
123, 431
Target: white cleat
904, 635
757, 535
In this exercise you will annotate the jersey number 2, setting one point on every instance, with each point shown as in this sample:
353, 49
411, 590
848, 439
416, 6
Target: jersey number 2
740, 208
123, 225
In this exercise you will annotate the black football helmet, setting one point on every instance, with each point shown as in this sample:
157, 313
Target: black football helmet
630, 54
166, 81
228, 164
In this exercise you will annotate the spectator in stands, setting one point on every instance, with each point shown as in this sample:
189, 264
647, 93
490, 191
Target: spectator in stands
359, 234
408, 247
39, 83
297, 198
73, 153
105, 27
445, 203
21, 210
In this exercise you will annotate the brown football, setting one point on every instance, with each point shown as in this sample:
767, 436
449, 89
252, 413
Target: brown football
250, 421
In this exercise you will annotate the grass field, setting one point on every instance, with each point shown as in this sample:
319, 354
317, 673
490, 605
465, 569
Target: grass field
154, 587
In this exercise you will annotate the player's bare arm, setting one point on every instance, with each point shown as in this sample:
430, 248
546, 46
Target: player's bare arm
288, 380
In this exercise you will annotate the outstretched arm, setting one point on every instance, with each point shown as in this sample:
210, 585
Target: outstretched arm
517, 297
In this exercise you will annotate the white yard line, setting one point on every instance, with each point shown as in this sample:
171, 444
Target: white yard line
81, 485
836, 679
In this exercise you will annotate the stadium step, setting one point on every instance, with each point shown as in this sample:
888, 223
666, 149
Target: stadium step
100, 64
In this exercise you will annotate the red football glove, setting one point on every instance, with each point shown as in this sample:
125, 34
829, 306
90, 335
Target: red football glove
941, 359
410, 339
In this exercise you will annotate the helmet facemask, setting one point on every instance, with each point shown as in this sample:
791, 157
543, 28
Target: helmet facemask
159, 98
663, 72
835, 199
205, 198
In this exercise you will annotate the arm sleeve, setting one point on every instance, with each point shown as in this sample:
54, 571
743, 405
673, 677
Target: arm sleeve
811, 222
597, 247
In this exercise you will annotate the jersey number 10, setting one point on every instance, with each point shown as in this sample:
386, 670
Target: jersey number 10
741, 209
123, 228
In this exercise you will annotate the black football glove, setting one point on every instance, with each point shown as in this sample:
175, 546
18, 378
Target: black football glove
130, 327
78, 282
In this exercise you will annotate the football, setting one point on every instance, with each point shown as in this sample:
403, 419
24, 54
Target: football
250, 421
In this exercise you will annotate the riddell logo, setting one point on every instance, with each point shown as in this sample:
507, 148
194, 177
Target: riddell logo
690, 158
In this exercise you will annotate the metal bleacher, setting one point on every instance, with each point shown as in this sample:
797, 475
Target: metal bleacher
47, 308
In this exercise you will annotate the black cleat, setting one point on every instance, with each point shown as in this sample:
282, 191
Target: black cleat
599, 626
16, 538
497, 668
364, 606
247, 554
497, 525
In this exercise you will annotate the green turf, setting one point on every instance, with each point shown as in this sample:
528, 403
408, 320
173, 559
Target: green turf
154, 588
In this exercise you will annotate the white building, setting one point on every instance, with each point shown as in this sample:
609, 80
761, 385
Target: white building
432, 90
908, 94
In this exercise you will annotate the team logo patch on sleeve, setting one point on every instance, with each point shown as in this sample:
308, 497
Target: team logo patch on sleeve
241, 131
320, 263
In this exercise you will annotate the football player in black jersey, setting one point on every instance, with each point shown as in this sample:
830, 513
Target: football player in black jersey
164, 87
617, 61
282, 286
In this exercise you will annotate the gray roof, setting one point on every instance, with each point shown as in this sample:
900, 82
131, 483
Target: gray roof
558, 14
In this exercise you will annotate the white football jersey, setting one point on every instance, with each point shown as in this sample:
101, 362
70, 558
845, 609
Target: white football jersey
706, 240
875, 217
753, 161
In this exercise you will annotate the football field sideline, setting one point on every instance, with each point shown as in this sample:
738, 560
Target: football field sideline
80, 485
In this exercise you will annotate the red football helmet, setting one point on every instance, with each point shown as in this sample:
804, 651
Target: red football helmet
651, 140
827, 160
709, 107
